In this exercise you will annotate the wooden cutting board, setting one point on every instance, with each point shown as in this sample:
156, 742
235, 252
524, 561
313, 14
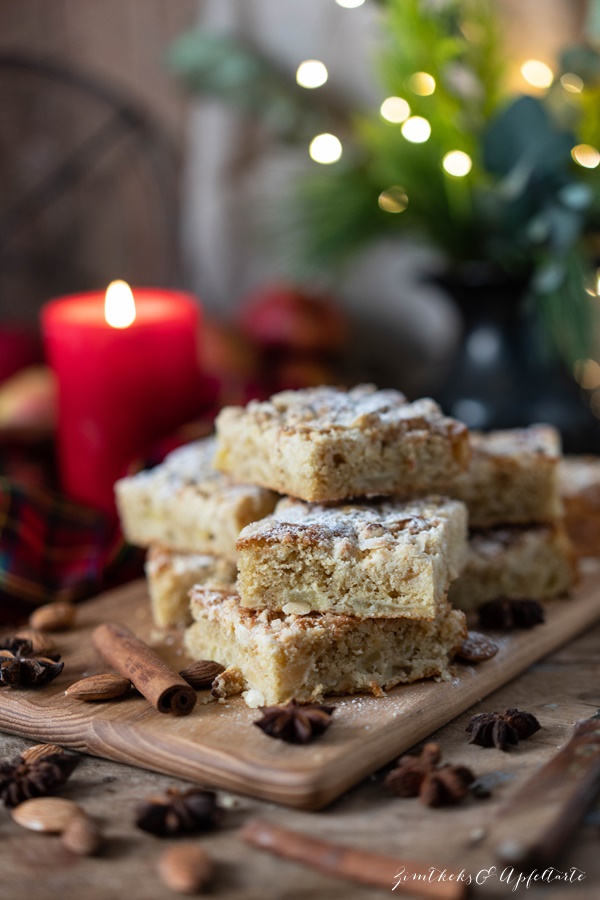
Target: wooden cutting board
218, 745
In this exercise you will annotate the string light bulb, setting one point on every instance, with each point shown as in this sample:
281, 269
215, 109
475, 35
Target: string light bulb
422, 83
311, 73
572, 82
325, 149
537, 73
395, 109
457, 163
585, 155
416, 129
350, 4
393, 200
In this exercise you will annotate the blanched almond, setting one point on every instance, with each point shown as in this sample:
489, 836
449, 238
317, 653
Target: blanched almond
40, 642
53, 617
99, 687
50, 815
82, 835
185, 868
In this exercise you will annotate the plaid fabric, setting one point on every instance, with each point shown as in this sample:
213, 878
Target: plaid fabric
53, 549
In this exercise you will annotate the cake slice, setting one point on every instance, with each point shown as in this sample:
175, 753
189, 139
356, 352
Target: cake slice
382, 559
171, 576
185, 505
282, 656
324, 444
533, 563
579, 478
512, 478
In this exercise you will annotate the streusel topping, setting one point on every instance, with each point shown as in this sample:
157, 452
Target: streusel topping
360, 526
328, 408
539, 440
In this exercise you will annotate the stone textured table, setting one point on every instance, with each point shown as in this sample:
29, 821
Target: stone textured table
559, 690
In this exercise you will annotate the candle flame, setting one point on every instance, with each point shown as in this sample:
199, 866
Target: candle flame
119, 305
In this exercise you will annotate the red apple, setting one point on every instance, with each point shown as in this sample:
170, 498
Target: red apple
19, 348
285, 317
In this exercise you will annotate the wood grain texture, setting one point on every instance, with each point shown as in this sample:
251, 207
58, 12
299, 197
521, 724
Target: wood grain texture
217, 744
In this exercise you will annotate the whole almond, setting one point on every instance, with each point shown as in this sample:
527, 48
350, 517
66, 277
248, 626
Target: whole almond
53, 617
38, 751
50, 815
202, 673
185, 868
99, 687
82, 836
40, 642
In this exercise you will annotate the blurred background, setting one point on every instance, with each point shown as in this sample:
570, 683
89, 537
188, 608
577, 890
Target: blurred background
398, 191
404, 191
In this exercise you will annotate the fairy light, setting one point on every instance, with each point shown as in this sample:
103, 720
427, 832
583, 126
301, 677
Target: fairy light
572, 82
587, 374
422, 83
585, 155
350, 4
416, 130
393, 200
325, 149
592, 284
537, 73
457, 163
312, 73
395, 109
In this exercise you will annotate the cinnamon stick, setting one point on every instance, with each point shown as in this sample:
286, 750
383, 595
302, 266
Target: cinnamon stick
135, 660
352, 864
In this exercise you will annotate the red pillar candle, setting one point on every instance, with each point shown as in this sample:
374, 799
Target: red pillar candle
127, 374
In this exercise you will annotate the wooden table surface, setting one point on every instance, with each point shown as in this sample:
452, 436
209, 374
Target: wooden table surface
559, 690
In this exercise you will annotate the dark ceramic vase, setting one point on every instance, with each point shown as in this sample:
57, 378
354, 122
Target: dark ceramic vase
501, 376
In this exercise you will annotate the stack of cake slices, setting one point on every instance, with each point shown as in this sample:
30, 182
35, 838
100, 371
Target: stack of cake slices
518, 545
337, 593
344, 582
189, 516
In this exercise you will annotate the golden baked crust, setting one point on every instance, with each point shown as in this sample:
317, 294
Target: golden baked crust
186, 505
512, 478
534, 563
381, 559
172, 575
282, 656
327, 444
579, 478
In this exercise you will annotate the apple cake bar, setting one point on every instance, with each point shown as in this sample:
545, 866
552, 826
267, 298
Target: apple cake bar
534, 563
172, 575
328, 444
282, 656
185, 505
381, 559
512, 478
579, 478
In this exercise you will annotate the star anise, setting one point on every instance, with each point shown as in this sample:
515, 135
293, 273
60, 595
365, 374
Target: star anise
19, 671
506, 614
178, 812
295, 723
16, 645
21, 780
421, 776
501, 730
